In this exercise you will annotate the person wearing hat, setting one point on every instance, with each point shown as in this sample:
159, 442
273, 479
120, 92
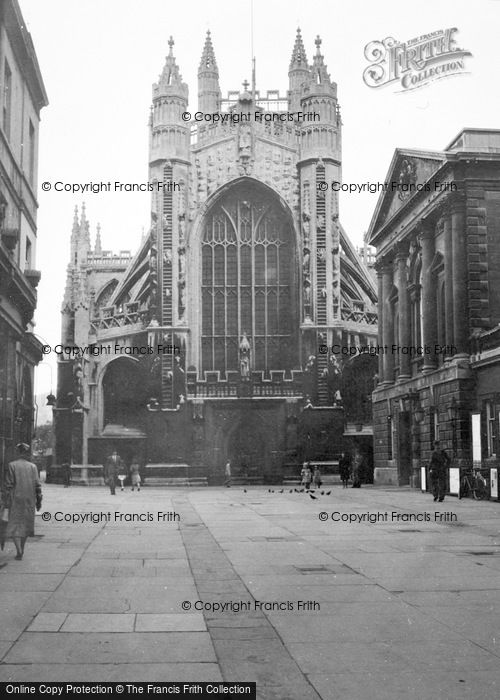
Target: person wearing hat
22, 494
438, 468
114, 466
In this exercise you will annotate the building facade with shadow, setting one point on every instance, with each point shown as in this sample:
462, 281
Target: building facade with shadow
213, 342
436, 230
23, 97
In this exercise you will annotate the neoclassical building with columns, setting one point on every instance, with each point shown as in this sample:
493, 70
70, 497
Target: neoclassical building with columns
244, 278
436, 229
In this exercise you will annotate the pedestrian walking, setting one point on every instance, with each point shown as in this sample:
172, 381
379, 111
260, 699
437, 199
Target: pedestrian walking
438, 468
113, 467
345, 469
66, 472
227, 472
356, 470
317, 477
306, 475
22, 495
135, 476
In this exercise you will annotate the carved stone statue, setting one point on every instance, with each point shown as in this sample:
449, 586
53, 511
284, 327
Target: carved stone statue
306, 261
244, 351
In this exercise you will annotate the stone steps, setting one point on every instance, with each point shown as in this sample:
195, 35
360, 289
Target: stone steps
175, 481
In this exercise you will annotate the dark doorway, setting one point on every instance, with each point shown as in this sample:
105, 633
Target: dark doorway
124, 393
247, 450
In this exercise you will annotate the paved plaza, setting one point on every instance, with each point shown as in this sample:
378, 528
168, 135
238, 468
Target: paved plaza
225, 584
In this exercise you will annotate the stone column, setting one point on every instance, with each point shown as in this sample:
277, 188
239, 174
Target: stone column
380, 306
459, 257
429, 301
388, 323
404, 313
448, 277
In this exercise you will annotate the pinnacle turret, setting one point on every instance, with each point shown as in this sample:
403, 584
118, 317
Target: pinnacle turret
170, 81
298, 73
209, 95
80, 237
208, 62
319, 70
299, 58
98, 243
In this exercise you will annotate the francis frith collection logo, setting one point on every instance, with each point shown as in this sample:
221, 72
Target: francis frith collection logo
416, 62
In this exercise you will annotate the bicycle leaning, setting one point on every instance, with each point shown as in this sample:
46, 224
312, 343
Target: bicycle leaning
474, 485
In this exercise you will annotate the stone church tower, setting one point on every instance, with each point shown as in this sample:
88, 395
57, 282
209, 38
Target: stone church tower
214, 342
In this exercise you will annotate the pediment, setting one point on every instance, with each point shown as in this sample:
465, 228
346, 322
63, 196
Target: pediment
410, 172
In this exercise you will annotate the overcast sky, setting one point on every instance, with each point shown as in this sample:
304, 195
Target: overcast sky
99, 59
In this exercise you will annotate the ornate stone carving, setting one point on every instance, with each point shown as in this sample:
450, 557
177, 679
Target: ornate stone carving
244, 353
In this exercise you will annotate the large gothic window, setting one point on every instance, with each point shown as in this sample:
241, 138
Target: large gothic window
248, 282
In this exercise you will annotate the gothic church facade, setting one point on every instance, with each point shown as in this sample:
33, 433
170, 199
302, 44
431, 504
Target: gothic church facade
237, 294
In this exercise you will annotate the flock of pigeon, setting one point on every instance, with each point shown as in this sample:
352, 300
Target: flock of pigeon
311, 492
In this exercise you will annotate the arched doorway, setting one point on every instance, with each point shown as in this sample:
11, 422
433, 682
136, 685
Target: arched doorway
124, 393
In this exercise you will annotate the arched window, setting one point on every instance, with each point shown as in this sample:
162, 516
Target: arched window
105, 294
248, 282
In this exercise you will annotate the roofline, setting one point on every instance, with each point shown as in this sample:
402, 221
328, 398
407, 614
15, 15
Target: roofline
24, 50
436, 155
473, 129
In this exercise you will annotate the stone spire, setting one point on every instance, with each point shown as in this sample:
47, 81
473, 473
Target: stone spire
208, 62
298, 73
209, 95
80, 238
98, 243
299, 58
84, 230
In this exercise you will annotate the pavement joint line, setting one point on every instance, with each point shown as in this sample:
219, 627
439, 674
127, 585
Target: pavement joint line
422, 610
63, 578
211, 622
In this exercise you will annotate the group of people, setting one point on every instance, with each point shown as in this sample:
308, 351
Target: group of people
308, 476
115, 471
348, 467
22, 491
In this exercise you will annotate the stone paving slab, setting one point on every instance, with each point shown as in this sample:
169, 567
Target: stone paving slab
407, 684
145, 672
30, 582
104, 622
408, 610
173, 622
47, 622
16, 612
123, 648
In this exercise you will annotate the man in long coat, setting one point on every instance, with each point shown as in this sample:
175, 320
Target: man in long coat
113, 467
438, 467
22, 494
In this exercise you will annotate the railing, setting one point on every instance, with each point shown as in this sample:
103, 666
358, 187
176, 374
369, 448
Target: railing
359, 316
127, 318
238, 388
122, 258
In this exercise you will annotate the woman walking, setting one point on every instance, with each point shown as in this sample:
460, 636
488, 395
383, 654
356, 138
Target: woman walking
135, 475
22, 494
